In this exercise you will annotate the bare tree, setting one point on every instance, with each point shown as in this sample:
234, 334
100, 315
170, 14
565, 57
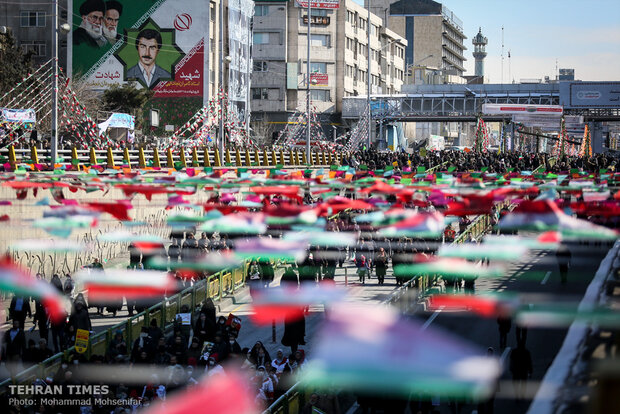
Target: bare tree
262, 132
88, 97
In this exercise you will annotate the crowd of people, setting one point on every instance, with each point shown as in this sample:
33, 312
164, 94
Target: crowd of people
205, 343
201, 344
492, 162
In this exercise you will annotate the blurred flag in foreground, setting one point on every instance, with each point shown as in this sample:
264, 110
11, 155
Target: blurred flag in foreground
371, 349
289, 302
222, 394
133, 284
14, 279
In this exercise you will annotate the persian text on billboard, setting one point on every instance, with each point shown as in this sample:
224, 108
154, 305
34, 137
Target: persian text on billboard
158, 44
324, 4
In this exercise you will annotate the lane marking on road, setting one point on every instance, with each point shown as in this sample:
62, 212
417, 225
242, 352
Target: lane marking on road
353, 408
502, 359
546, 278
432, 318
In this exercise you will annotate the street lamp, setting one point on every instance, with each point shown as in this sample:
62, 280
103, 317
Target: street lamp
64, 29
308, 155
368, 26
228, 59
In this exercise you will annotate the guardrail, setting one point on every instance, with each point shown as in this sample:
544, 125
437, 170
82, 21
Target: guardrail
180, 158
296, 396
214, 287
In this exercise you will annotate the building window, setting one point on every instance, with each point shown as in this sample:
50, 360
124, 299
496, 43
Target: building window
318, 12
260, 93
260, 66
350, 44
362, 50
362, 24
261, 38
319, 40
261, 10
318, 67
351, 18
213, 11
36, 47
320, 95
32, 18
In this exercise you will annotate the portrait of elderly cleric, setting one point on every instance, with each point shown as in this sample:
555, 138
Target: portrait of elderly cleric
90, 31
148, 45
113, 12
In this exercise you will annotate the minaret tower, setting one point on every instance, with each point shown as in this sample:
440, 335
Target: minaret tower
480, 43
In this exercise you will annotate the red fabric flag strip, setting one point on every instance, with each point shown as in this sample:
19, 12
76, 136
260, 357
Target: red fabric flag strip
471, 204
486, 306
597, 208
118, 209
223, 208
289, 302
134, 284
337, 204
291, 191
227, 393
265, 314
381, 187
20, 185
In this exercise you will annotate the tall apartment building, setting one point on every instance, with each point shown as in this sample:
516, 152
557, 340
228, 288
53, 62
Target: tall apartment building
30, 22
434, 34
338, 58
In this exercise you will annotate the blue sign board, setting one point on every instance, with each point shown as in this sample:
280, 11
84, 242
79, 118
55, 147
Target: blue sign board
590, 94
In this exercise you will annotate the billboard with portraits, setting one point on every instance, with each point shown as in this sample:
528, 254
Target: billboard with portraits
158, 44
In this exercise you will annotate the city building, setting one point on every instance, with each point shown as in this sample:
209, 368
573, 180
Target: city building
30, 22
566, 75
434, 34
338, 60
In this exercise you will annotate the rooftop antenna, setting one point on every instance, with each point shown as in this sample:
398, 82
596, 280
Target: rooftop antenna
502, 55
557, 75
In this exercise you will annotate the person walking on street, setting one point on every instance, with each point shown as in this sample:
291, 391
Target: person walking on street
68, 286
563, 255
174, 251
19, 310
14, 343
266, 271
381, 262
253, 279
503, 324
79, 318
520, 368
362, 269
57, 283
41, 318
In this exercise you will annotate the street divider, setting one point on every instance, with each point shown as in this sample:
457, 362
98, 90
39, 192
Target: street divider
182, 158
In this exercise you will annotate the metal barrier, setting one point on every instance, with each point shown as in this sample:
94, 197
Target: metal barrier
214, 287
291, 402
182, 158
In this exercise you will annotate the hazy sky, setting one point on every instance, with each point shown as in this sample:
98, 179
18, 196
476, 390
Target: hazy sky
583, 35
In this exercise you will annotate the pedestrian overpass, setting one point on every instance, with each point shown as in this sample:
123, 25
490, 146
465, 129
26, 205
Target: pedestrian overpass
463, 103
